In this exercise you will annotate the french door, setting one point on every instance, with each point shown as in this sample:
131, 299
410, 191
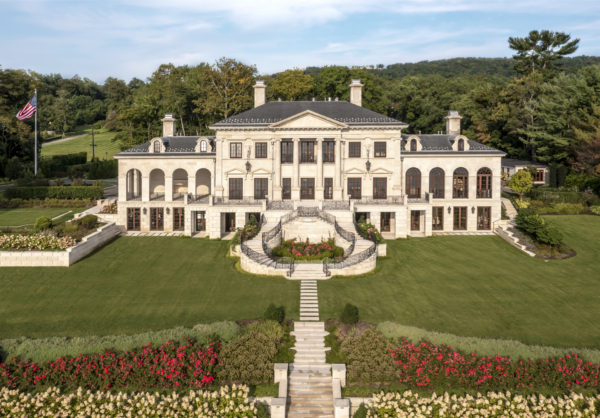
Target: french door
484, 217
415, 220
200, 221
437, 218
133, 219
307, 188
385, 221
354, 187
156, 219
178, 219
460, 218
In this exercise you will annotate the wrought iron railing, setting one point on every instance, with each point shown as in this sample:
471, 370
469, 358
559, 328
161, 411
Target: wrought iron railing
280, 205
372, 200
157, 196
243, 201
329, 263
336, 205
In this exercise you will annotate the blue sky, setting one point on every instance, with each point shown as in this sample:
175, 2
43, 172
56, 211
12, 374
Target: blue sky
130, 38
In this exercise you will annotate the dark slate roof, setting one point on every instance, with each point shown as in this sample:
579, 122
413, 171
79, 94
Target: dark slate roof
510, 162
173, 145
341, 111
443, 142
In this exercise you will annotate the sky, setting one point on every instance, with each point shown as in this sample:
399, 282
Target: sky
131, 38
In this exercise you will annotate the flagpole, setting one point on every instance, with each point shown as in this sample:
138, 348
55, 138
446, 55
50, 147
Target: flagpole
35, 154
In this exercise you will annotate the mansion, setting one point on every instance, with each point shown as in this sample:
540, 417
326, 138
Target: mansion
334, 155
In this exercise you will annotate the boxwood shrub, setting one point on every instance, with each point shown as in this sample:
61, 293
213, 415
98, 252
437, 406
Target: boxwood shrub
55, 192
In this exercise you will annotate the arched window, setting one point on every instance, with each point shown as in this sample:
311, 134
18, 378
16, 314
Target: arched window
460, 184
484, 183
413, 183
156, 146
436, 183
413, 144
202, 146
461, 144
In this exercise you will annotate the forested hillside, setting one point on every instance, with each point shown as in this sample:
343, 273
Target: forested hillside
548, 114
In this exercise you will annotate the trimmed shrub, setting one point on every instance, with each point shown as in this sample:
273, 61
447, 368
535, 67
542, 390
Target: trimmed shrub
361, 412
349, 314
88, 221
368, 359
534, 225
43, 222
274, 313
55, 192
102, 169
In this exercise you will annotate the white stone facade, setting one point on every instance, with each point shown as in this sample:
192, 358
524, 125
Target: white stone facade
340, 156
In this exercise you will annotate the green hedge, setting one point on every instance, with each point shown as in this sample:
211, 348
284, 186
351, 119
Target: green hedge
538, 228
55, 192
103, 169
58, 165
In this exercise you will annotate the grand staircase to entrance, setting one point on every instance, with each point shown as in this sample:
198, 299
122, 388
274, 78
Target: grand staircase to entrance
359, 254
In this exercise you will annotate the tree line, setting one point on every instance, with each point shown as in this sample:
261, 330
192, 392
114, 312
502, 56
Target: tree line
539, 105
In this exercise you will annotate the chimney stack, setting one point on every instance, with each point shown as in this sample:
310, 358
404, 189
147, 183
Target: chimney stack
356, 92
259, 93
168, 125
453, 123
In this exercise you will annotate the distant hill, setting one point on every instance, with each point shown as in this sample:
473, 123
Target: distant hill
465, 66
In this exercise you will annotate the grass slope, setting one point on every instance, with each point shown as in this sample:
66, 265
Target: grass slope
27, 216
134, 285
105, 147
483, 287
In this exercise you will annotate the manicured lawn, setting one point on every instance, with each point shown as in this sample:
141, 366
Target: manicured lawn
27, 216
137, 284
483, 287
105, 147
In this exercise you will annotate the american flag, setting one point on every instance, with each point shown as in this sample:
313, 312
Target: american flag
29, 109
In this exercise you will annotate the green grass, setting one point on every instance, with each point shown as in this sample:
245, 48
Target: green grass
483, 287
27, 216
134, 285
105, 147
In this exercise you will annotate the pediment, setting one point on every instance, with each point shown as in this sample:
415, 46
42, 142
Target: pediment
261, 171
308, 120
381, 170
355, 171
235, 172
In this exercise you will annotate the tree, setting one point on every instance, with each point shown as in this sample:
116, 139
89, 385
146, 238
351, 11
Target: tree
540, 50
521, 182
292, 85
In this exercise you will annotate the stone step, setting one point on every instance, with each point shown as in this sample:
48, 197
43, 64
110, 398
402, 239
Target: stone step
316, 413
309, 318
308, 379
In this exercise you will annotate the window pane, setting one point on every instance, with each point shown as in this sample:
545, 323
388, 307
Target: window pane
286, 190
380, 149
328, 189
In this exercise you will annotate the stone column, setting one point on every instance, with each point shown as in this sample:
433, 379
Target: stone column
169, 188
188, 219
125, 184
146, 188
396, 178
240, 219
191, 189
296, 171
319, 179
218, 173
337, 181
276, 157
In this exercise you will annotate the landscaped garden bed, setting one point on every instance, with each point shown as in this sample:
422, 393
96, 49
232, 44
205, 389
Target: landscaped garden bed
307, 251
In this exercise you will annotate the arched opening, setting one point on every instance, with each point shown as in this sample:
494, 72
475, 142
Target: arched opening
157, 184
460, 183
461, 144
133, 184
484, 183
413, 183
436, 183
180, 183
413, 144
202, 182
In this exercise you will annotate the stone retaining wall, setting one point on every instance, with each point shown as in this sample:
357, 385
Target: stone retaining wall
361, 268
60, 258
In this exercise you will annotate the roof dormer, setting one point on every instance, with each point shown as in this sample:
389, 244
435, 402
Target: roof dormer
203, 145
157, 146
460, 143
412, 144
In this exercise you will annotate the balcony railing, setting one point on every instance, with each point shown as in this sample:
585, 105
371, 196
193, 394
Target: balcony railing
484, 194
372, 200
157, 196
178, 196
134, 197
230, 202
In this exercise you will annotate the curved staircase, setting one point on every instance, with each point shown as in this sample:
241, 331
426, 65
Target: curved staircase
359, 254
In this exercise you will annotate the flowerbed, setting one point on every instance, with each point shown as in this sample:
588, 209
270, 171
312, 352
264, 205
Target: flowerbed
227, 401
368, 231
300, 250
109, 209
491, 405
439, 366
39, 241
165, 367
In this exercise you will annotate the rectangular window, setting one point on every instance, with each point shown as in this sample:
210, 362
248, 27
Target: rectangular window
380, 149
235, 150
178, 219
260, 188
236, 188
328, 151
328, 189
385, 221
437, 218
260, 150
133, 219
156, 219
484, 217
307, 151
354, 149
460, 218
286, 189
380, 188
287, 152
354, 187
539, 175
307, 188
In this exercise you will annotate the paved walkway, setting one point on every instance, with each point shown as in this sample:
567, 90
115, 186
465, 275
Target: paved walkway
57, 141
310, 392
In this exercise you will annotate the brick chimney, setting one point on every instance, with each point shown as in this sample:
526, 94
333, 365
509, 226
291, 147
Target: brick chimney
168, 125
259, 93
356, 92
453, 123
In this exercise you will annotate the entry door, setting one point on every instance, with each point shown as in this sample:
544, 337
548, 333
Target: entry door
200, 221
133, 219
415, 220
307, 188
483, 217
156, 219
178, 221
385, 221
460, 218
230, 222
